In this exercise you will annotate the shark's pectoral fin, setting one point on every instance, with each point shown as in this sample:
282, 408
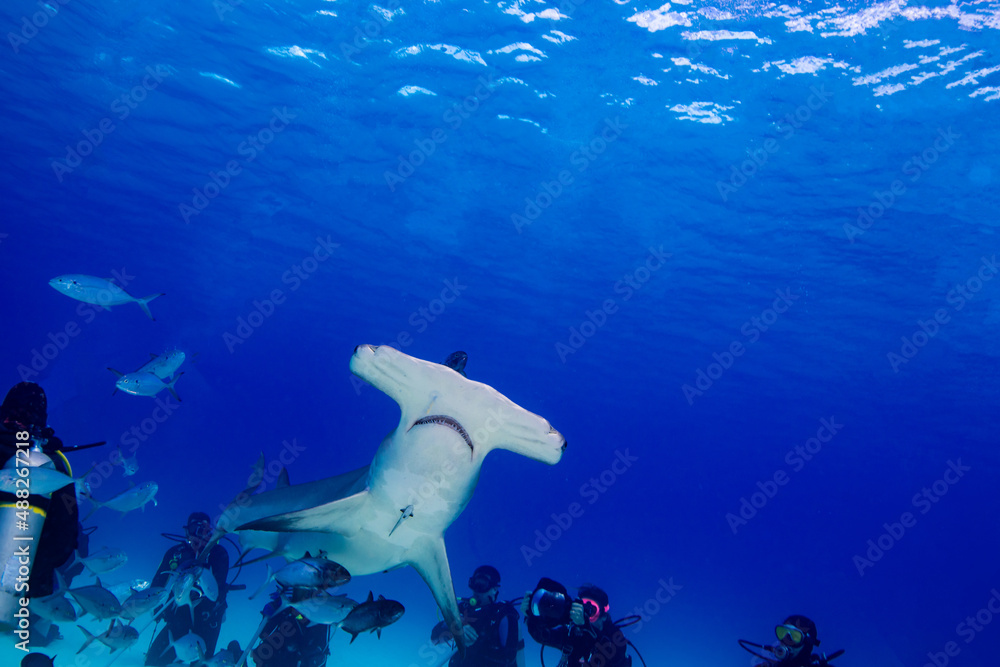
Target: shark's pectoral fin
428, 557
340, 516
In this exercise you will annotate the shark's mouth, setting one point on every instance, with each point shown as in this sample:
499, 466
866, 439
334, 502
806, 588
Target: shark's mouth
444, 420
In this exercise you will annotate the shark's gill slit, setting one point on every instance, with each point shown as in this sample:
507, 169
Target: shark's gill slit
444, 420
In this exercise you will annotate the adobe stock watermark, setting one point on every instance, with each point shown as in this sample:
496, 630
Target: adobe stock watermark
752, 330
923, 501
629, 284
967, 630
141, 432
666, 591
740, 174
549, 191
913, 168
294, 276
59, 340
121, 107
796, 459
591, 491
457, 114
223, 7
419, 321
102, 470
928, 329
30, 25
248, 150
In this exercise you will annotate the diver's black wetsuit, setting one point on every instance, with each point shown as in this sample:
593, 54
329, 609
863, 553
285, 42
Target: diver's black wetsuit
288, 640
585, 644
208, 615
803, 659
496, 626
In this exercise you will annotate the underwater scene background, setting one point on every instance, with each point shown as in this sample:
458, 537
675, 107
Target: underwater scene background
740, 254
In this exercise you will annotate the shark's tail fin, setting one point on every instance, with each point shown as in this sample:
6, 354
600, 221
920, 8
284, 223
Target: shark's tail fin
144, 304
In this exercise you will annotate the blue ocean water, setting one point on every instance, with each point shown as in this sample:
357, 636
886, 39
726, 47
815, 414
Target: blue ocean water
740, 254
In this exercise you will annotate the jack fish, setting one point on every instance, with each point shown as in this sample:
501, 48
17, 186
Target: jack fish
133, 498
99, 292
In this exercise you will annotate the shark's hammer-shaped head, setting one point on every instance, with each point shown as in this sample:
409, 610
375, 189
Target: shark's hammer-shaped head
434, 396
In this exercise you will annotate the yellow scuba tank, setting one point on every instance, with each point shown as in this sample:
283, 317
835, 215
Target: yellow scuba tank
21, 522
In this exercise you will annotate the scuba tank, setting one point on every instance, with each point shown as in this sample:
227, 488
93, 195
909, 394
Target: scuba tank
21, 521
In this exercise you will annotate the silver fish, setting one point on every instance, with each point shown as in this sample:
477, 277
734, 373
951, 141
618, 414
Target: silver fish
188, 648
97, 601
182, 587
164, 365
371, 615
102, 563
41, 481
133, 498
145, 384
208, 585
143, 601
224, 658
130, 465
98, 291
312, 572
55, 608
117, 636
321, 608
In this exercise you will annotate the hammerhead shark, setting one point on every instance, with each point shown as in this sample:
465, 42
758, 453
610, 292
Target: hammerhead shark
394, 512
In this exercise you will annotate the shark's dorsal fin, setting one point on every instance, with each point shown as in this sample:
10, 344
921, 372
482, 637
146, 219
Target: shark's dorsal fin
282, 480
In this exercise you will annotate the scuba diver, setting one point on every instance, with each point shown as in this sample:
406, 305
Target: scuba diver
288, 639
796, 640
490, 627
53, 519
204, 615
582, 628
